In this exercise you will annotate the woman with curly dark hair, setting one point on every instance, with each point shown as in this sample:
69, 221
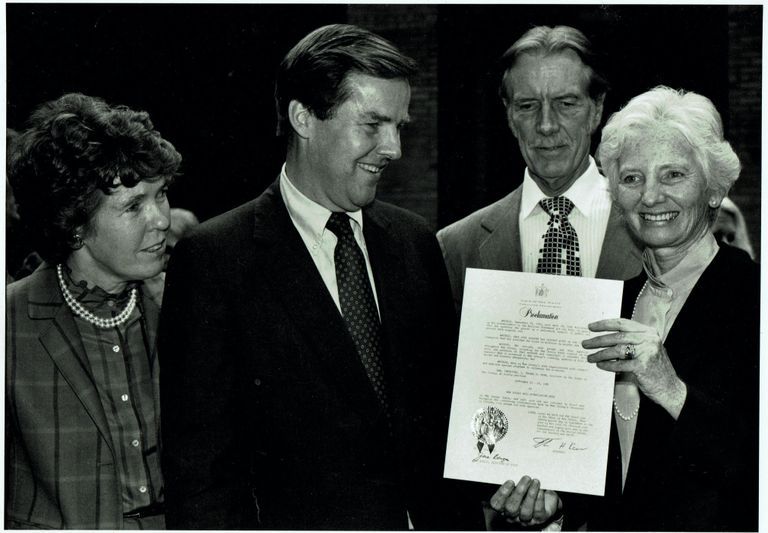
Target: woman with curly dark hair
82, 404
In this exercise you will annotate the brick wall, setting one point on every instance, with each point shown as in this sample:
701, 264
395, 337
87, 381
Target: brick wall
744, 102
411, 182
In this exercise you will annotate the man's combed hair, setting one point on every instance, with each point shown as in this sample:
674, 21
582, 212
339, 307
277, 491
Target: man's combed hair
551, 40
315, 71
75, 146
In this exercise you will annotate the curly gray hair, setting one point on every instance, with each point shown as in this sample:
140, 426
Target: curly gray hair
691, 114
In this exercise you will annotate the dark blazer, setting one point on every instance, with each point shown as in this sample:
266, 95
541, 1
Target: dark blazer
60, 465
698, 473
490, 238
269, 420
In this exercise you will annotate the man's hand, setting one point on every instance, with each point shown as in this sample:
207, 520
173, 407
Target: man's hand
525, 503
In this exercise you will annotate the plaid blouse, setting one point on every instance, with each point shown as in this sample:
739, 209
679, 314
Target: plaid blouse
120, 365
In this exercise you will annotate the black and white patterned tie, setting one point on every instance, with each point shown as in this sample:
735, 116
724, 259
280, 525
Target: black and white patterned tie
357, 303
560, 252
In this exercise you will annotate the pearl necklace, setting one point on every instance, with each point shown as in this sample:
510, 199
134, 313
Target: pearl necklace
627, 418
639, 294
86, 315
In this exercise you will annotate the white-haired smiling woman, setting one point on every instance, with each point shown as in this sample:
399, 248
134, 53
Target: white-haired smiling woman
685, 439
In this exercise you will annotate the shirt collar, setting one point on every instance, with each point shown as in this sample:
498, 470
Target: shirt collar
310, 216
94, 297
581, 192
688, 270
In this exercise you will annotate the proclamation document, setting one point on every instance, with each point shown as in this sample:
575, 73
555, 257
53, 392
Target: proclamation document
525, 399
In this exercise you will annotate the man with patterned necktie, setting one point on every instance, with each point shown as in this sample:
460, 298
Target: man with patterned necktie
308, 336
561, 219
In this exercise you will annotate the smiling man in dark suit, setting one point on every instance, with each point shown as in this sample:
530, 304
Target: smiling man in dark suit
308, 336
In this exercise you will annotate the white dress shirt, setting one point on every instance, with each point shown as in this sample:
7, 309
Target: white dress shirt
592, 207
310, 219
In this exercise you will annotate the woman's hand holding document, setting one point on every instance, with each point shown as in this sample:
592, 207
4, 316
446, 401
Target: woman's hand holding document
526, 402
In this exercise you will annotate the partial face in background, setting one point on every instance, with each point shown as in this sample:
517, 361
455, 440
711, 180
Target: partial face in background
552, 116
349, 151
125, 239
662, 190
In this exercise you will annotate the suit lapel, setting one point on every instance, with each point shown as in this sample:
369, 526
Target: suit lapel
61, 339
391, 277
297, 283
151, 292
620, 257
151, 300
501, 249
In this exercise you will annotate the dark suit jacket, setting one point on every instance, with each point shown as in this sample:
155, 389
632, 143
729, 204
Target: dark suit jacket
698, 473
490, 238
60, 466
269, 420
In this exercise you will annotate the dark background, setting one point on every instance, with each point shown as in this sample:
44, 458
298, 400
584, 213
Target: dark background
713, 50
205, 74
